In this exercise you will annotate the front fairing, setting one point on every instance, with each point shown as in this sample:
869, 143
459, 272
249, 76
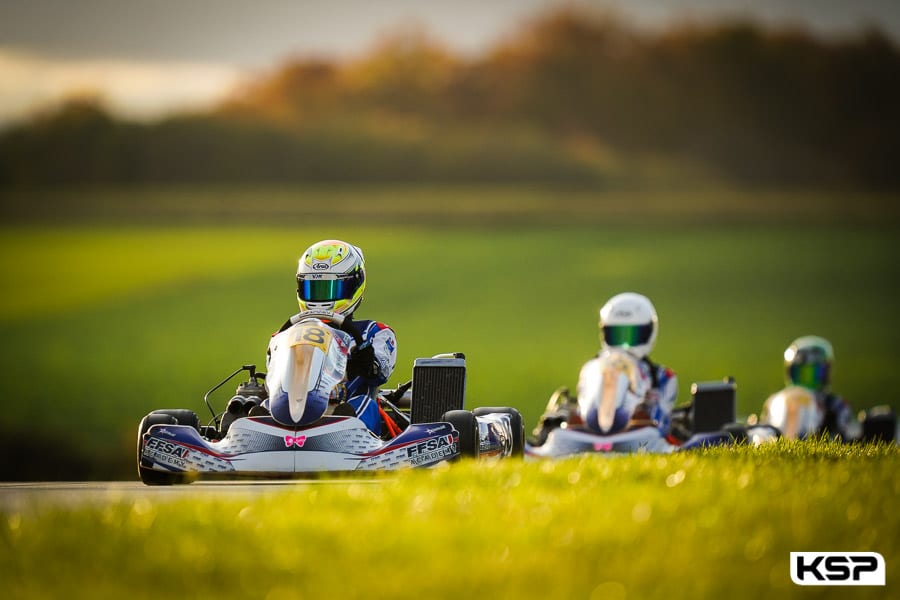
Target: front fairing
564, 442
610, 389
795, 411
306, 369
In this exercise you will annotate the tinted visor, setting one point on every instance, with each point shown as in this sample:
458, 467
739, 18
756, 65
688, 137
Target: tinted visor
627, 336
328, 290
811, 375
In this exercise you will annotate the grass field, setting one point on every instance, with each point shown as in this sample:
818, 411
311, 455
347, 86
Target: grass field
103, 319
709, 524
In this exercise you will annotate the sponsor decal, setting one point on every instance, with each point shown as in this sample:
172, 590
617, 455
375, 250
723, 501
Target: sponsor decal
298, 441
165, 432
602, 446
431, 450
320, 266
389, 344
167, 452
837, 568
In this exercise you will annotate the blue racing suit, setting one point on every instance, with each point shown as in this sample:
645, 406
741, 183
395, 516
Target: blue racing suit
383, 342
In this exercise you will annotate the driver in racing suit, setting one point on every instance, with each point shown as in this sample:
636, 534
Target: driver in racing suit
807, 363
331, 276
628, 322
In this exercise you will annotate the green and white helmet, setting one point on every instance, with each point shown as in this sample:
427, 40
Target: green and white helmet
807, 363
331, 276
628, 321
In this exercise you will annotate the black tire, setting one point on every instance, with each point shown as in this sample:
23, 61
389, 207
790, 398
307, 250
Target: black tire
516, 423
464, 422
183, 416
150, 476
738, 432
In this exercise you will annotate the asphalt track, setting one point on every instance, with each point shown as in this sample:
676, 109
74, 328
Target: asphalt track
23, 497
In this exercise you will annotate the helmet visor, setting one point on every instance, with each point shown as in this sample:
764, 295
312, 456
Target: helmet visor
809, 375
327, 290
627, 336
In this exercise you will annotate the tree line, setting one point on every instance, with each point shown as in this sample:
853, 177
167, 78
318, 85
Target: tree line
570, 97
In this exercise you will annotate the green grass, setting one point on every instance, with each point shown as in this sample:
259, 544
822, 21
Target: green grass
105, 320
718, 523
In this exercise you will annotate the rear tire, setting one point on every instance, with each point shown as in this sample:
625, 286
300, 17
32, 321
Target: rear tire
464, 422
516, 424
148, 475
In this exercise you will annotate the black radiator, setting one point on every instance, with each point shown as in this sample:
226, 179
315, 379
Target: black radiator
439, 385
714, 405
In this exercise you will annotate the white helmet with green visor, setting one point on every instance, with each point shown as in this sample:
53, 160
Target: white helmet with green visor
628, 321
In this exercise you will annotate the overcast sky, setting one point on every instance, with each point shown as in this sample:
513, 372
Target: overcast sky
148, 56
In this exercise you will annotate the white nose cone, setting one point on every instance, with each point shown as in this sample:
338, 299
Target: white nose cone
794, 411
298, 381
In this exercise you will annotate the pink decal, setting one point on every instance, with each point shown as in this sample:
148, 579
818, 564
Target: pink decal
602, 446
298, 441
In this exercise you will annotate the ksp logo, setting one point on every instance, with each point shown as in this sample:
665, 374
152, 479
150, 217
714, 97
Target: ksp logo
837, 568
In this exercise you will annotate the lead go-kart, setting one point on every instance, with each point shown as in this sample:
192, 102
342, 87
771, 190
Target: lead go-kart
613, 394
298, 423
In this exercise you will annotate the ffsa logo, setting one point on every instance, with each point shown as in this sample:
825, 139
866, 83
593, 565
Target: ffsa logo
837, 568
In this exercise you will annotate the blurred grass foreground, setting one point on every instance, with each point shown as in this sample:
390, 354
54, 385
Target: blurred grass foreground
695, 525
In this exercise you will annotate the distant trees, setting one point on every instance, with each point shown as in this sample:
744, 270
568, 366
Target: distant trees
571, 97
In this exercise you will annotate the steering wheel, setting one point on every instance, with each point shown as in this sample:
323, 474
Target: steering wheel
340, 321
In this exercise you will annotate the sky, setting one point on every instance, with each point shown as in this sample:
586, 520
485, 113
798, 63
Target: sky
149, 57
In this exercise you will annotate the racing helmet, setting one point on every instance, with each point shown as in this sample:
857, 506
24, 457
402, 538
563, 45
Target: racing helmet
628, 321
807, 363
331, 276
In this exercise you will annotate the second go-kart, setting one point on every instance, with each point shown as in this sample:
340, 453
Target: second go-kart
298, 422
607, 418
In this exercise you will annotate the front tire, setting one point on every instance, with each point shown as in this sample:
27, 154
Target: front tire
148, 475
182, 416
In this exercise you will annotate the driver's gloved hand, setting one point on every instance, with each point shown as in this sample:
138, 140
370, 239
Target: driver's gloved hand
362, 363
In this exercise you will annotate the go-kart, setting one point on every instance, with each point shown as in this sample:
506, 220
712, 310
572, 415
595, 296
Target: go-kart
798, 414
298, 422
608, 417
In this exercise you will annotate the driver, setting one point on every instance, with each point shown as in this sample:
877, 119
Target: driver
331, 276
807, 363
628, 322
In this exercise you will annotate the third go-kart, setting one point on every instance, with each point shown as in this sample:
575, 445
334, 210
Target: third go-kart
798, 414
298, 422
610, 401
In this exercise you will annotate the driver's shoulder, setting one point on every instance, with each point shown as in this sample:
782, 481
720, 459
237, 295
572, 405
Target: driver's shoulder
371, 327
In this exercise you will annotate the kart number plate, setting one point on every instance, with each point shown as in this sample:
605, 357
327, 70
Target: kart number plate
312, 335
